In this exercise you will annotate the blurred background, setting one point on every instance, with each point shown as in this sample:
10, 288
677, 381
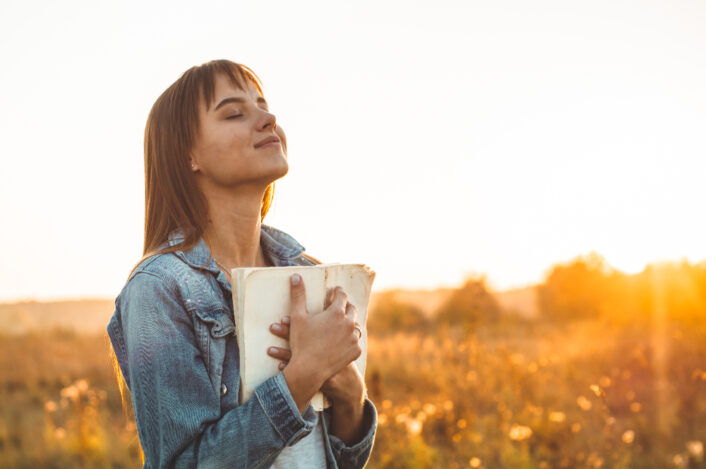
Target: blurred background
525, 178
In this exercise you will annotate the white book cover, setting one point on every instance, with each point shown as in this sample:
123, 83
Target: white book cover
262, 296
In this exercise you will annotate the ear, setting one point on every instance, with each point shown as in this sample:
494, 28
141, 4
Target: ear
193, 163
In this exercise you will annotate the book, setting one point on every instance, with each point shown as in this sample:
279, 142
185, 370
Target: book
262, 296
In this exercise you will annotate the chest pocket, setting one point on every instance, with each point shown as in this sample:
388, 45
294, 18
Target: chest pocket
213, 327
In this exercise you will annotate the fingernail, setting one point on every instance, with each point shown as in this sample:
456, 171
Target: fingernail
295, 279
273, 349
276, 327
281, 366
285, 320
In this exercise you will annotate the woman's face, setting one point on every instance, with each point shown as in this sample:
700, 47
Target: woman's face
228, 148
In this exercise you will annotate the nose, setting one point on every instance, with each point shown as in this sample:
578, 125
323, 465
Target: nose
268, 119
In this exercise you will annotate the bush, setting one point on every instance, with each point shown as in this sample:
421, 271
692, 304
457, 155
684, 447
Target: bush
470, 305
392, 315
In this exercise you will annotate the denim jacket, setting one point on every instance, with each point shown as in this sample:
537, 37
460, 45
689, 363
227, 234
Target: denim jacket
173, 335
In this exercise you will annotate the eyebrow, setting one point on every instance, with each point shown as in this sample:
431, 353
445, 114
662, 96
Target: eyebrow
238, 100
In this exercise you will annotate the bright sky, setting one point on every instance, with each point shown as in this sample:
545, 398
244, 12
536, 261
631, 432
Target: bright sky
426, 139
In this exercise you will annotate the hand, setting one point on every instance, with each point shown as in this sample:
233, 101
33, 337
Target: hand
346, 385
335, 344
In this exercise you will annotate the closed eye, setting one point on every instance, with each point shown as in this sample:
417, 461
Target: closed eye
234, 116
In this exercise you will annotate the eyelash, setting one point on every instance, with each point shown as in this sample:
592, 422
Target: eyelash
233, 117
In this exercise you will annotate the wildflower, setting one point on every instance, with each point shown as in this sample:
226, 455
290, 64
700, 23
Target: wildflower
696, 449
81, 386
594, 460
597, 390
628, 436
414, 426
475, 462
557, 417
584, 403
461, 423
70, 392
429, 408
519, 432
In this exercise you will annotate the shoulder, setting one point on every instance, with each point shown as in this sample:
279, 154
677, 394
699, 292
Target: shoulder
156, 277
166, 266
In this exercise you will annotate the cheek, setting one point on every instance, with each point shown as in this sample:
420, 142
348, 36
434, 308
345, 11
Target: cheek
227, 147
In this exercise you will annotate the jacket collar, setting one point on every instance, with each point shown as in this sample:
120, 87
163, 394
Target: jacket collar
280, 247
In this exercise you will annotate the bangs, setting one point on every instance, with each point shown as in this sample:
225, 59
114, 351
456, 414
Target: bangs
238, 74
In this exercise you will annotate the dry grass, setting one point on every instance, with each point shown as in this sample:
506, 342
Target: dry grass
515, 395
580, 395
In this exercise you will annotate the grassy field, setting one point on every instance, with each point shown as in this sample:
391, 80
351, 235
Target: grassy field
517, 394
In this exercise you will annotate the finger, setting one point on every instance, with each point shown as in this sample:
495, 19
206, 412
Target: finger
280, 330
351, 310
339, 299
358, 330
329, 297
298, 295
279, 353
283, 365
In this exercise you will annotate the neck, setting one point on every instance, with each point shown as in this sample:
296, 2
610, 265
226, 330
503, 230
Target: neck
233, 230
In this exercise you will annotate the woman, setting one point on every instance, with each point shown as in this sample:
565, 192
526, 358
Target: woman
212, 153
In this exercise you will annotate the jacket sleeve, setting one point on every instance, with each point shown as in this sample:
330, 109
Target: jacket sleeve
356, 455
178, 414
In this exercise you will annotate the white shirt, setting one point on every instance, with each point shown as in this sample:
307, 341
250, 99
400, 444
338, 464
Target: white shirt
307, 453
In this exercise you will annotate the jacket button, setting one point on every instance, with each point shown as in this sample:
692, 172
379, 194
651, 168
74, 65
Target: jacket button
224, 389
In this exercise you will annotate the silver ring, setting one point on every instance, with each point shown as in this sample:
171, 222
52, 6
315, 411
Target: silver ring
359, 329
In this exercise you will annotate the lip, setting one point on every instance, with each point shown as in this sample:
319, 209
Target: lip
269, 141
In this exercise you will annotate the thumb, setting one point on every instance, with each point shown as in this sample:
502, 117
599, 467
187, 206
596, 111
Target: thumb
298, 295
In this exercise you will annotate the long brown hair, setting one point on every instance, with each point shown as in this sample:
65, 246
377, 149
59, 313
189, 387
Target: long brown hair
172, 197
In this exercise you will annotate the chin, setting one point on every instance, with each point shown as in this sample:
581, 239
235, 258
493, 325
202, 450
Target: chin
276, 170
283, 170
